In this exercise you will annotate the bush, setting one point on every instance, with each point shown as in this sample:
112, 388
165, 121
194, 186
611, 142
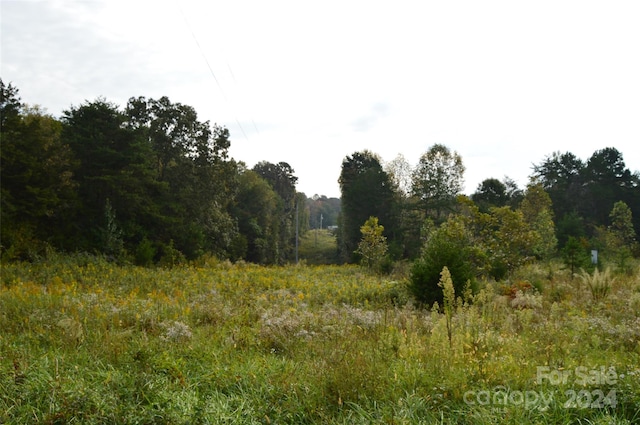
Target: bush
373, 245
446, 247
171, 256
145, 253
599, 283
575, 254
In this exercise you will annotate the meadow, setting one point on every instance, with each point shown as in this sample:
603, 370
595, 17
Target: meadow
86, 341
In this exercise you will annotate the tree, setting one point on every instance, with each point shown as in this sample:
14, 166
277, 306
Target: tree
490, 193
589, 190
282, 179
620, 240
327, 208
502, 239
111, 162
399, 171
574, 254
198, 180
607, 180
37, 188
366, 191
570, 225
537, 212
406, 241
513, 192
255, 209
562, 176
437, 180
10, 106
508, 239
373, 245
450, 245
622, 224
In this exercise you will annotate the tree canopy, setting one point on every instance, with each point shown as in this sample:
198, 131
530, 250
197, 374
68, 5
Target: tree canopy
437, 180
366, 191
151, 183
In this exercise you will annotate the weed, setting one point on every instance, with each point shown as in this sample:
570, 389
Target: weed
84, 341
599, 283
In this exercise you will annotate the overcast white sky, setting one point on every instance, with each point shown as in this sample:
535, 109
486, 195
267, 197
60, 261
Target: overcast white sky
503, 83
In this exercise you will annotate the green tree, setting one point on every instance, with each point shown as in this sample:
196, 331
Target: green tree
607, 181
302, 211
622, 224
437, 180
37, 188
490, 193
620, 239
255, 209
406, 240
571, 224
366, 191
111, 162
575, 254
513, 192
281, 177
562, 177
588, 190
508, 239
323, 209
197, 179
537, 212
373, 245
451, 245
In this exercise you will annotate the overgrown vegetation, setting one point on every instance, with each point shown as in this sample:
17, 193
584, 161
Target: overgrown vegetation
318, 246
461, 313
87, 341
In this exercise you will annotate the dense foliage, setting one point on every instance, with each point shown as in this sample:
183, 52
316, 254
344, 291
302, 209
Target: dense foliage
194, 338
151, 183
366, 192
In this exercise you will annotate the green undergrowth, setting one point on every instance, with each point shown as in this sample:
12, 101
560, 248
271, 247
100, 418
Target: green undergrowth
85, 341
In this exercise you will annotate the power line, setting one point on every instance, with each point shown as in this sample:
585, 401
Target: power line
213, 74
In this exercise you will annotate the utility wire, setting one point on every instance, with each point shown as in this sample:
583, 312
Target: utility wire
213, 74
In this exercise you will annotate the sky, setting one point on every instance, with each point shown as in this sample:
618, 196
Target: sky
502, 83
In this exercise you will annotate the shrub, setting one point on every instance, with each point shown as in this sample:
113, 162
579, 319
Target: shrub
145, 252
575, 255
599, 283
447, 246
171, 256
373, 245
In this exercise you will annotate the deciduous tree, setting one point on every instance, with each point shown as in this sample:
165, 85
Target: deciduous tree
373, 245
437, 180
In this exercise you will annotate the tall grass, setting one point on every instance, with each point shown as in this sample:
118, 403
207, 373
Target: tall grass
84, 341
599, 283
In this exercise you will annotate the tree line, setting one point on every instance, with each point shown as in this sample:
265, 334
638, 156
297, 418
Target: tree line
568, 208
150, 183
147, 183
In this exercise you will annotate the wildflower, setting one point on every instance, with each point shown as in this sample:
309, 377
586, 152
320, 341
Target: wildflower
176, 332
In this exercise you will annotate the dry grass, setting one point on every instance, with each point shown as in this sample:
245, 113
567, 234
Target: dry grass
85, 341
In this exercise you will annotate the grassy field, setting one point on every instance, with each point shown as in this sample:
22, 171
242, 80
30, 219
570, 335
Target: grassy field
318, 246
85, 341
